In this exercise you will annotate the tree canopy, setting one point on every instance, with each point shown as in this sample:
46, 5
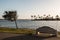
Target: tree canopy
10, 15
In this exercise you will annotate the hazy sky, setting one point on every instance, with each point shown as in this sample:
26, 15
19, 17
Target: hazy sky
26, 8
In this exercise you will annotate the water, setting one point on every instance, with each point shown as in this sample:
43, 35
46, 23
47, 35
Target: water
30, 24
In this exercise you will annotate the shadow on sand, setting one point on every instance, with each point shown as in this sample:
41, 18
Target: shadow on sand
25, 37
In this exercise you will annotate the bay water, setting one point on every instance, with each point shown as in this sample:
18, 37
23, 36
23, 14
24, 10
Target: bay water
30, 24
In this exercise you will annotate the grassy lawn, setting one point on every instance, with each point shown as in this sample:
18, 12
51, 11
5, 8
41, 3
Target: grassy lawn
19, 31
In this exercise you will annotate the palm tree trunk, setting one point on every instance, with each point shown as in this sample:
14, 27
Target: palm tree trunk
16, 24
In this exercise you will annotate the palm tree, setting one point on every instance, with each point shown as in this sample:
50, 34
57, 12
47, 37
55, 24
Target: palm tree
38, 16
11, 16
52, 17
41, 17
49, 16
44, 16
57, 16
35, 17
31, 16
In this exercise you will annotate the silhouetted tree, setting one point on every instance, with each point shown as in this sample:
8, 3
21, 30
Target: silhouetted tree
11, 16
44, 16
35, 17
57, 16
39, 17
52, 18
31, 16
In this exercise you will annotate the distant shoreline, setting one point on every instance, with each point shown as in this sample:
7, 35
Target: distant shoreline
18, 19
45, 19
38, 19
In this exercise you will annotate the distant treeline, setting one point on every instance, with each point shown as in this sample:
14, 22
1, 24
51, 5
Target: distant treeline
44, 17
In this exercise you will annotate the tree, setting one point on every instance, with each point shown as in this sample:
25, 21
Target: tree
57, 17
11, 16
44, 16
31, 16
35, 17
52, 17
39, 17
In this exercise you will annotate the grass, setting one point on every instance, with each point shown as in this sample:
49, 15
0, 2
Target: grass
59, 33
18, 31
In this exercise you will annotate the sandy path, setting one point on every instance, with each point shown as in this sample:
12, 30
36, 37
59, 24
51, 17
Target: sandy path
53, 38
5, 35
11, 36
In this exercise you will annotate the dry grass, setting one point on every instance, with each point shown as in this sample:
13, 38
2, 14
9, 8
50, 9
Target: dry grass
20, 30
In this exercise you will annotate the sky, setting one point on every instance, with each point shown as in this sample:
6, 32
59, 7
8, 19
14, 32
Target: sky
26, 8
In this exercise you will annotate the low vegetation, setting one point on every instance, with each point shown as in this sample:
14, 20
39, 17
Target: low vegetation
59, 33
18, 31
